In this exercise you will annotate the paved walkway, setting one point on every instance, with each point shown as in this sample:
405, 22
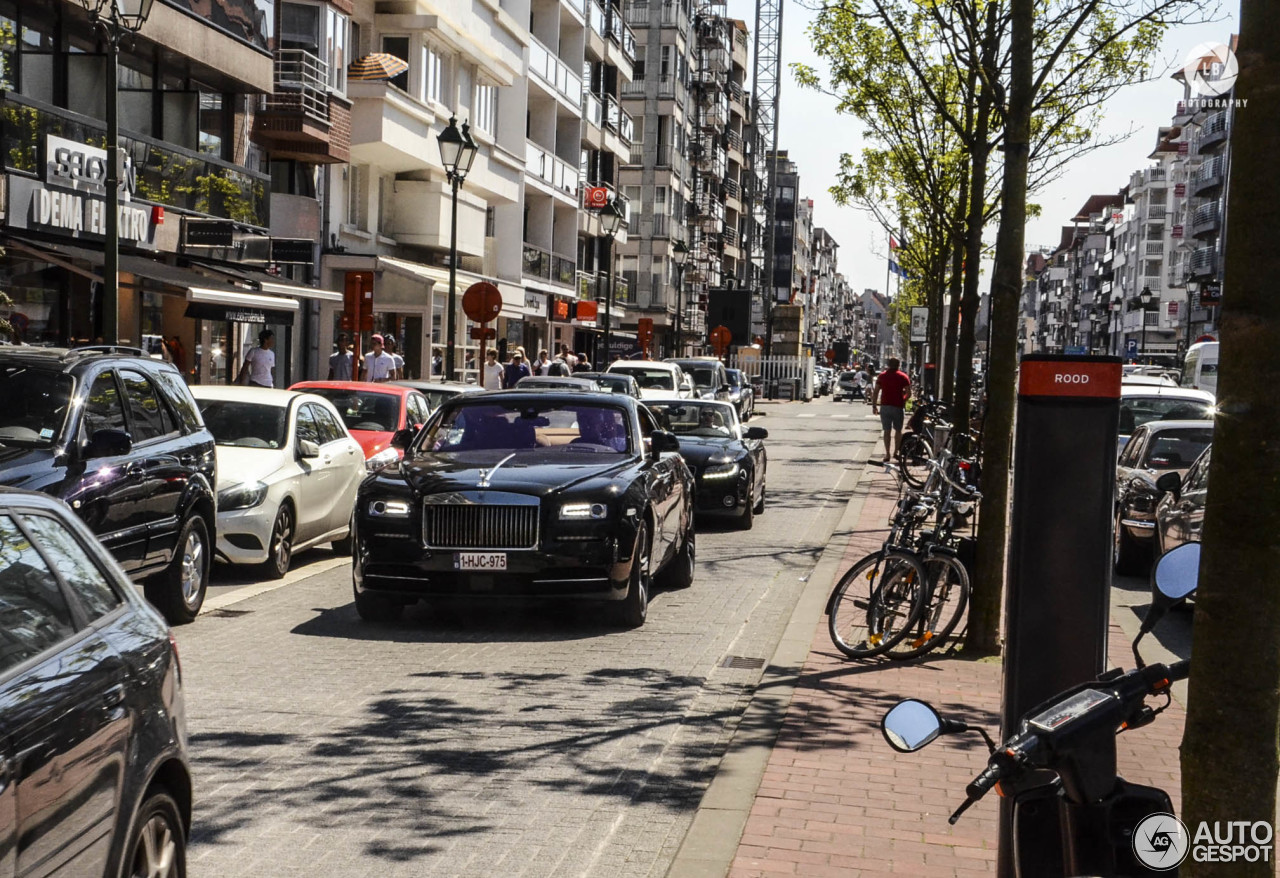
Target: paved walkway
834, 799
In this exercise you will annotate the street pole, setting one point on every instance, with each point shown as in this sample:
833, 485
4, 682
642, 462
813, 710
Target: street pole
452, 321
111, 251
608, 308
679, 309
1143, 352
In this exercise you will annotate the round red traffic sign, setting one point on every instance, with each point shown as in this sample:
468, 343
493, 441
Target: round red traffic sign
721, 337
481, 302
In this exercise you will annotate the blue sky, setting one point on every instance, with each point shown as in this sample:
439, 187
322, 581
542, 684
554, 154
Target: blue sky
816, 136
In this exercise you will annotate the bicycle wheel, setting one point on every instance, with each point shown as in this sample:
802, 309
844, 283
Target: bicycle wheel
874, 603
914, 455
945, 596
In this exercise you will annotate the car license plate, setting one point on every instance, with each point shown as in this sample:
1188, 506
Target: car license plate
480, 561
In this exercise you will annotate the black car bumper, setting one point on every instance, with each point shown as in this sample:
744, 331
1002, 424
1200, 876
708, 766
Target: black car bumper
722, 497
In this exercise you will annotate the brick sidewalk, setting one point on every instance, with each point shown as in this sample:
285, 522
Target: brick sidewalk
836, 800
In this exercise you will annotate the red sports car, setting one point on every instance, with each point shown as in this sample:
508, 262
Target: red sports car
373, 413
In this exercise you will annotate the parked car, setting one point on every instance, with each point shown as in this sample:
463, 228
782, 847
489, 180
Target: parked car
438, 392
548, 495
1154, 449
289, 473
728, 461
1136, 379
116, 435
1142, 403
1200, 367
614, 382
708, 376
96, 776
556, 382
741, 394
373, 413
847, 387
1180, 511
657, 380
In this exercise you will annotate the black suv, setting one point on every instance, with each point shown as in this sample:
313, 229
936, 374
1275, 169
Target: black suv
96, 778
117, 436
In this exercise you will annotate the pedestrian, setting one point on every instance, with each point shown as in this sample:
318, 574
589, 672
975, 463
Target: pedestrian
889, 401
583, 364
437, 362
259, 368
558, 367
567, 355
543, 366
379, 365
342, 360
395, 356
492, 379
515, 370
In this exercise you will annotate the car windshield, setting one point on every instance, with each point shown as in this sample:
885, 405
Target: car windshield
613, 383
735, 378
652, 379
530, 425
704, 377
365, 410
691, 419
33, 405
439, 397
1138, 410
244, 424
1177, 449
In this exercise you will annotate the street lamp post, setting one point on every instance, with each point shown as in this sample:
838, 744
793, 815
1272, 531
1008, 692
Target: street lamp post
610, 221
680, 253
114, 18
1115, 306
457, 152
1145, 298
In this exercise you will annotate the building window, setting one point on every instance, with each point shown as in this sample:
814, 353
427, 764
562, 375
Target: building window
485, 116
490, 222
357, 196
433, 75
398, 46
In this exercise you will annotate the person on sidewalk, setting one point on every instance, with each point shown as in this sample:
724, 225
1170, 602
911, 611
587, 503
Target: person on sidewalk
379, 366
398, 372
342, 362
492, 378
543, 366
889, 401
259, 368
515, 370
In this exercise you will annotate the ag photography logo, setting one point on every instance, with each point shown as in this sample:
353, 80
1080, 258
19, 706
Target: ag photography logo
1161, 842
1210, 69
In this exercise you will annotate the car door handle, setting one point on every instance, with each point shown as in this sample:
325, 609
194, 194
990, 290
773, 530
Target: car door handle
328, 458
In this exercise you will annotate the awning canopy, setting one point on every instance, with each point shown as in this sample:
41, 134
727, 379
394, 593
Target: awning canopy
237, 307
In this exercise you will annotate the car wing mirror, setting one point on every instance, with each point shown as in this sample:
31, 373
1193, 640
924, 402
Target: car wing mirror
307, 449
108, 443
757, 433
662, 441
1174, 578
402, 439
1170, 483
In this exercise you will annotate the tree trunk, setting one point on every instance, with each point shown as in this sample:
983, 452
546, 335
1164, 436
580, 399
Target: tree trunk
1229, 758
1002, 367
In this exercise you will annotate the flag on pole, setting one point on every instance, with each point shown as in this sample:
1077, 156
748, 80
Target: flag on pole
893, 243
895, 268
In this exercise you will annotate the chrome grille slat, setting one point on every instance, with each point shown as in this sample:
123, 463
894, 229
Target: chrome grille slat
478, 526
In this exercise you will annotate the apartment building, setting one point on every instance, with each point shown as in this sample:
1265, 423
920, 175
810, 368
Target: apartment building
826, 293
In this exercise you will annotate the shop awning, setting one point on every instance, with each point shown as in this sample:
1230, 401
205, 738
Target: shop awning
229, 305
299, 292
417, 270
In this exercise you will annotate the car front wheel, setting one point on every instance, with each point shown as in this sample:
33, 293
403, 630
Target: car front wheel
179, 591
634, 608
280, 549
158, 848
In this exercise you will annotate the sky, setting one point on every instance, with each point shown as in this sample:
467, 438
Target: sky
815, 137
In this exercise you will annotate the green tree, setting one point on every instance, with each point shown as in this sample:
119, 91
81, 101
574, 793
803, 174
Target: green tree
1229, 750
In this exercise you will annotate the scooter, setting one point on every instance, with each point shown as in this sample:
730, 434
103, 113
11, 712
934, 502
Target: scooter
1082, 819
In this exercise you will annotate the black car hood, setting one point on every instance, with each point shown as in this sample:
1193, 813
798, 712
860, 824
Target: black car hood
698, 451
537, 473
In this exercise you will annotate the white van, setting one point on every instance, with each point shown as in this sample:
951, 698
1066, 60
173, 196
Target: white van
1200, 368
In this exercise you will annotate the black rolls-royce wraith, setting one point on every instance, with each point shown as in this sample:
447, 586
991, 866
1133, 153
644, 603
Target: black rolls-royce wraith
536, 493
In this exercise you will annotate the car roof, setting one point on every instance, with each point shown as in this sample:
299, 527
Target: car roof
1130, 391
66, 359
701, 403
1147, 381
1164, 426
626, 365
355, 386
422, 385
237, 393
568, 397
543, 381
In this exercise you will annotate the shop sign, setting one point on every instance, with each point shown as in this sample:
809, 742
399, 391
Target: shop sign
208, 233
237, 314
292, 251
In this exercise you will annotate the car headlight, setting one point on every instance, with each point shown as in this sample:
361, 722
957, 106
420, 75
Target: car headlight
382, 458
388, 508
583, 511
245, 496
721, 471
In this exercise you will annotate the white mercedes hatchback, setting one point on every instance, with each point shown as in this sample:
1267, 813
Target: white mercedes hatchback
287, 474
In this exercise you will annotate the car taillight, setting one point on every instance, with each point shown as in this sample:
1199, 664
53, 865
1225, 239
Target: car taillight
964, 465
177, 660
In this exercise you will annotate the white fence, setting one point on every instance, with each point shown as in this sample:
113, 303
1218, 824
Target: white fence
777, 377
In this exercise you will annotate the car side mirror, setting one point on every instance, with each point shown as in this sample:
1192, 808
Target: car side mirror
108, 443
1170, 483
307, 449
662, 441
725, 388
402, 439
757, 433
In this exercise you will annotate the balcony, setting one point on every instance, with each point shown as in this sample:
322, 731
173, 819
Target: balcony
731, 188
554, 74
674, 15
1154, 249
598, 20
714, 117
1213, 132
301, 120
716, 59
638, 14
618, 120
1203, 263
633, 89
551, 170
1156, 212
734, 141
593, 110
1206, 220
547, 266
1210, 176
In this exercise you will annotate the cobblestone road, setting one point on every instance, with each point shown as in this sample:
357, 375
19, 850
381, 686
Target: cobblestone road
512, 741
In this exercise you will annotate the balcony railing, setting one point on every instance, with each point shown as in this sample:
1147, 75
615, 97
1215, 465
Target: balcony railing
593, 110
1156, 211
1203, 262
734, 141
550, 168
674, 15
302, 81
617, 119
1205, 218
731, 188
578, 6
554, 72
597, 18
633, 88
1210, 175
548, 266
636, 156
638, 13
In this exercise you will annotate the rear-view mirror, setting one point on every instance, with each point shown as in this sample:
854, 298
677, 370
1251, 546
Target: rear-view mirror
308, 449
757, 433
402, 439
663, 441
1170, 483
108, 443
910, 725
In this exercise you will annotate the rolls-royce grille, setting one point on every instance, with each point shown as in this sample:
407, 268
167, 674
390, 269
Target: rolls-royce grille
480, 527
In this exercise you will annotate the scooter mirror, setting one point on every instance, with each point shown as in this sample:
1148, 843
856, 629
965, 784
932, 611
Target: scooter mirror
1177, 572
910, 725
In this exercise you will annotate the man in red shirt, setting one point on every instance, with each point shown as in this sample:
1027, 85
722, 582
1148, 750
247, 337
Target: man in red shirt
889, 400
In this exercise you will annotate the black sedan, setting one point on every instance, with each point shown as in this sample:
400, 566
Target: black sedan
614, 382
536, 493
1180, 512
1156, 448
727, 459
741, 393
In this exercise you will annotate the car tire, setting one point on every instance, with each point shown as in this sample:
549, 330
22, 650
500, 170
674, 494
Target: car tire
634, 608
679, 573
1126, 556
158, 843
747, 519
759, 507
345, 546
178, 591
377, 608
280, 544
